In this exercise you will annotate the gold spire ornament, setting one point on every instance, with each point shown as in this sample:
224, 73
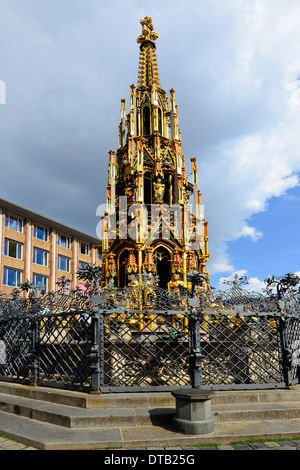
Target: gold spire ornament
148, 71
147, 32
148, 191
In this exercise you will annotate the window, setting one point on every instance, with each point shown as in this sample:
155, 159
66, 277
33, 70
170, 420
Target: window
14, 223
11, 277
40, 282
12, 249
146, 120
64, 242
63, 263
84, 248
82, 264
40, 233
147, 188
159, 121
137, 123
40, 257
99, 253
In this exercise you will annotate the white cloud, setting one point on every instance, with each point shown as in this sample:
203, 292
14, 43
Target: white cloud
245, 172
253, 284
250, 232
234, 64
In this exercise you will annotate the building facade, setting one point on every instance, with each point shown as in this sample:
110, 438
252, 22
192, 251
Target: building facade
41, 250
154, 219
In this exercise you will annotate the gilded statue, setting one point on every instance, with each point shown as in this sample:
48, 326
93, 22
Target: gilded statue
159, 190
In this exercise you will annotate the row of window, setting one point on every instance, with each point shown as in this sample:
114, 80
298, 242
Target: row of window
12, 277
13, 249
16, 224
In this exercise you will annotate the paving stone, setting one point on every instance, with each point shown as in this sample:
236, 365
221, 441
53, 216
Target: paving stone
225, 447
2, 439
7, 443
286, 448
155, 448
257, 445
190, 448
172, 448
208, 448
287, 443
136, 448
241, 447
266, 448
272, 444
16, 446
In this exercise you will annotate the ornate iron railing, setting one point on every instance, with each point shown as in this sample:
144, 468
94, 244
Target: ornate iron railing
144, 337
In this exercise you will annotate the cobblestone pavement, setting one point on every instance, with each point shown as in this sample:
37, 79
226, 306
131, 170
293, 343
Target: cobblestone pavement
270, 445
9, 444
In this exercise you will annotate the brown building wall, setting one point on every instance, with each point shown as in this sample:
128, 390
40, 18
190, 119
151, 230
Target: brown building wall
26, 266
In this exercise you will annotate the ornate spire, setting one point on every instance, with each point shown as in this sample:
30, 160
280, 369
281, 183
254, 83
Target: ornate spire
148, 69
147, 173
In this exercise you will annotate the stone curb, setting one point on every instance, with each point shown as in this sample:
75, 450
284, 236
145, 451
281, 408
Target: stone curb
8, 444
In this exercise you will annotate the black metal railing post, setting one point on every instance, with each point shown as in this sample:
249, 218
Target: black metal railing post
195, 355
286, 359
95, 352
34, 353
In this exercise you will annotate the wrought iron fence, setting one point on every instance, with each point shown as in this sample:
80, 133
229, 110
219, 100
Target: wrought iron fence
144, 337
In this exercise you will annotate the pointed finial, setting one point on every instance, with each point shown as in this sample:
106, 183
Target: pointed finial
148, 69
147, 31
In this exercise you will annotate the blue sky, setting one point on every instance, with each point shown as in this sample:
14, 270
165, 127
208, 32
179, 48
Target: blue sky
277, 251
235, 66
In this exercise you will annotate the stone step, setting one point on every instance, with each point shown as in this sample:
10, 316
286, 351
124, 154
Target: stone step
58, 419
75, 417
255, 411
143, 399
47, 436
89, 401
